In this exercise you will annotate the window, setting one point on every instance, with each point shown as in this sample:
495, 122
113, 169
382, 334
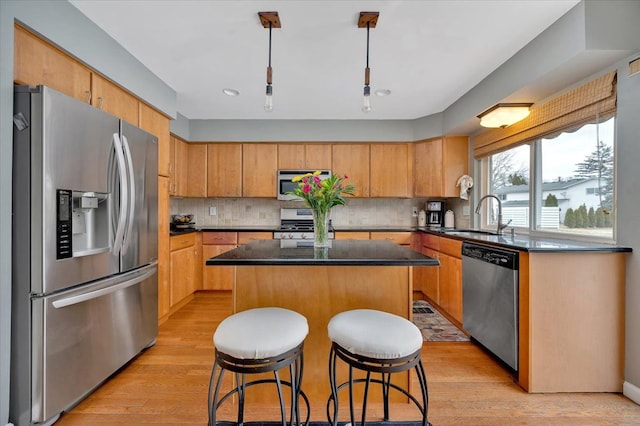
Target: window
573, 180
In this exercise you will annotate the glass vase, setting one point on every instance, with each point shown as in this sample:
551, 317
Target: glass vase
320, 228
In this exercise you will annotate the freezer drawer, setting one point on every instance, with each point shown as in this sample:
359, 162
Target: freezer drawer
83, 336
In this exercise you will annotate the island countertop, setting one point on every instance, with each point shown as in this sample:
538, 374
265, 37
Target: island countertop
341, 253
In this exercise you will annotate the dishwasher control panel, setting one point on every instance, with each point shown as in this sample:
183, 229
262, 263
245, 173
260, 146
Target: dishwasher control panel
505, 258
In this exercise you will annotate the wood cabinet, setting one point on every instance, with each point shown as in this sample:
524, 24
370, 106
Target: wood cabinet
196, 170
259, 169
157, 124
164, 256
224, 170
391, 173
352, 235
352, 160
313, 156
184, 256
213, 244
247, 237
116, 101
38, 62
439, 163
400, 238
442, 285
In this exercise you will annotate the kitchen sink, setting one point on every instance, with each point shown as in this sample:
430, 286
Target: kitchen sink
465, 232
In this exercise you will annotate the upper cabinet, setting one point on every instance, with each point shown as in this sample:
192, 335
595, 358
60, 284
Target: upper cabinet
313, 156
391, 172
352, 160
224, 170
157, 124
259, 169
196, 170
37, 62
114, 100
439, 163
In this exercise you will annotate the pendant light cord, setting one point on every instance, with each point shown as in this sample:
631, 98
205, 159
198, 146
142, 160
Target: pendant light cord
367, 44
270, 26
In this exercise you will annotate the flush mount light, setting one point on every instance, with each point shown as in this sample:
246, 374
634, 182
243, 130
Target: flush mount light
367, 20
269, 20
230, 92
505, 114
383, 92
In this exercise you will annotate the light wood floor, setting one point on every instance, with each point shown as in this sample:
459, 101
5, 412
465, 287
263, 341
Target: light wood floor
168, 384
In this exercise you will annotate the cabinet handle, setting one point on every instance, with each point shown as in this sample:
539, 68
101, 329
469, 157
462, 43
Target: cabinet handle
88, 92
100, 102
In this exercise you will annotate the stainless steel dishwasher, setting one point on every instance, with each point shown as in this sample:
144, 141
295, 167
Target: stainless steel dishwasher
490, 299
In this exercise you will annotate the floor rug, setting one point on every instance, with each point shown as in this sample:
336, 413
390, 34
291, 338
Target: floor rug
435, 327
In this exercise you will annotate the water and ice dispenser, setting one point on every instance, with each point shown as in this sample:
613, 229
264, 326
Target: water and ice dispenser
83, 226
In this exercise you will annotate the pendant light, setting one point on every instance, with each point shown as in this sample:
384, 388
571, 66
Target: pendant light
367, 20
269, 20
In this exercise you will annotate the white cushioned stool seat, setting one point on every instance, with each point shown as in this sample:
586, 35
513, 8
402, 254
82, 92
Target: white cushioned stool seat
375, 334
260, 333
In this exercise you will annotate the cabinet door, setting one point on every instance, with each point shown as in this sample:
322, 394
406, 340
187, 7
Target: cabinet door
196, 170
352, 235
455, 157
157, 124
259, 169
183, 262
217, 277
430, 276
450, 288
164, 256
37, 62
224, 170
317, 156
391, 170
112, 99
291, 156
400, 238
428, 168
352, 160
172, 165
181, 165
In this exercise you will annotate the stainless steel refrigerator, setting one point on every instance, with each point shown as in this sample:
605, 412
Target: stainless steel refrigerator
85, 221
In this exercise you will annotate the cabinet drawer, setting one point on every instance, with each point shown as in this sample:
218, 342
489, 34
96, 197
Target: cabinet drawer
247, 237
217, 238
356, 235
182, 241
430, 241
402, 238
451, 247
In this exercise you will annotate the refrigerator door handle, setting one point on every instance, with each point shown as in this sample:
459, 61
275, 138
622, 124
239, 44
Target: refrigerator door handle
73, 300
124, 194
132, 194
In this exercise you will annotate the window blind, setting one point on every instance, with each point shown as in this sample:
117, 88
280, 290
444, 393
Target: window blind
593, 100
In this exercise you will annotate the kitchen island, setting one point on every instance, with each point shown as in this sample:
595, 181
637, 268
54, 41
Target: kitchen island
320, 283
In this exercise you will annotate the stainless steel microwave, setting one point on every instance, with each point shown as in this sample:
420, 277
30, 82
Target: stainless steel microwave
286, 183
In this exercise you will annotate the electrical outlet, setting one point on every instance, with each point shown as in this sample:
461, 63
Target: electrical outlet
213, 211
414, 211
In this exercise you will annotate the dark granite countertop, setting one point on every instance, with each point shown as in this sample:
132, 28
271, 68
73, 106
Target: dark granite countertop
341, 253
526, 242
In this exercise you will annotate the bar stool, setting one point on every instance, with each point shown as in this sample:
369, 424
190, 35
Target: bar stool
374, 342
257, 341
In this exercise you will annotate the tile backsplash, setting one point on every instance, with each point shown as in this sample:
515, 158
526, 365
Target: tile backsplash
266, 211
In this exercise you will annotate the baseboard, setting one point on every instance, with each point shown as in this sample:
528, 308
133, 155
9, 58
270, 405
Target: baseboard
631, 391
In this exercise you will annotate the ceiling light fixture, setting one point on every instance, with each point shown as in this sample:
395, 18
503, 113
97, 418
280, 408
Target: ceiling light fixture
230, 92
367, 20
504, 114
269, 20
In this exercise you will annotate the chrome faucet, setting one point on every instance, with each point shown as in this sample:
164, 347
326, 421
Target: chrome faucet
501, 225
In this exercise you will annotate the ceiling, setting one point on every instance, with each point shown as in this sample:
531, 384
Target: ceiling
426, 53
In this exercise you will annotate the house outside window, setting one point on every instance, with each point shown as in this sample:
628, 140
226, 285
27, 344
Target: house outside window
573, 178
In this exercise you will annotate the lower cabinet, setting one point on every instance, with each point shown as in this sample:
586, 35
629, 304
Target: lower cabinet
442, 285
184, 267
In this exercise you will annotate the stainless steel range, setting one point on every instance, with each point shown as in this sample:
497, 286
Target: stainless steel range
296, 228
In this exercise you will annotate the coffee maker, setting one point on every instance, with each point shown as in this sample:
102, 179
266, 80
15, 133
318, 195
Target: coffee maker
435, 214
